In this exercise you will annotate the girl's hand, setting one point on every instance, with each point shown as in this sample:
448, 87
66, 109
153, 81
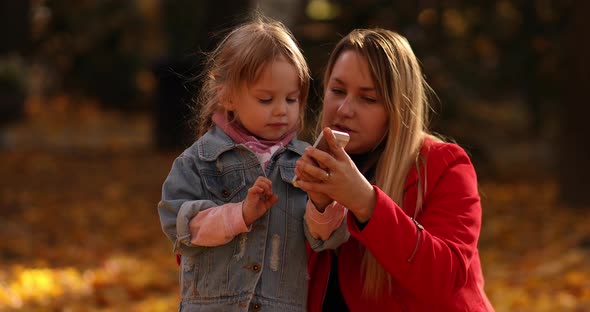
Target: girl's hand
335, 176
259, 199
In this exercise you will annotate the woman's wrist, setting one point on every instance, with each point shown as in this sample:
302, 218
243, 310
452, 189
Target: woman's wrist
367, 206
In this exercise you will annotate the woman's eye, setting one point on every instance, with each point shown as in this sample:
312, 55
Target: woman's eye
369, 99
337, 91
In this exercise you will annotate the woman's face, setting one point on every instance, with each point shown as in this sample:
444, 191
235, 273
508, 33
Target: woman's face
352, 104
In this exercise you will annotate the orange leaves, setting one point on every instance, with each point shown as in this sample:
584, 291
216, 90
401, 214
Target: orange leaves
40, 286
531, 247
80, 230
120, 282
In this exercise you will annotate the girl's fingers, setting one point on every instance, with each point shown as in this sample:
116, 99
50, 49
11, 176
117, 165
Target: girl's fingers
264, 183
263, 186
255, 190
273, 199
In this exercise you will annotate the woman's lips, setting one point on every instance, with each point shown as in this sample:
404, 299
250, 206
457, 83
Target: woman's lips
342, 128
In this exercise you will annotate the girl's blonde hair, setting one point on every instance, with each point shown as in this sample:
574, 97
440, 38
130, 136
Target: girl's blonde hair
240, 57
400, 85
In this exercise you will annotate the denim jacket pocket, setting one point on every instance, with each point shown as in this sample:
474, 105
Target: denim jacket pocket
224, 185
188, 277
287, 173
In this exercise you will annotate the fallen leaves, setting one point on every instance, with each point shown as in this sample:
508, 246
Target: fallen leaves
532, 249
121, 282
80, 230
83, 232
41, 286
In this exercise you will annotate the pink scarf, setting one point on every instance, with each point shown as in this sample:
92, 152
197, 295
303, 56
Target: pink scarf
264, 149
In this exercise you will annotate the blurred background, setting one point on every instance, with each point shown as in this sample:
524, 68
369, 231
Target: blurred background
95, 99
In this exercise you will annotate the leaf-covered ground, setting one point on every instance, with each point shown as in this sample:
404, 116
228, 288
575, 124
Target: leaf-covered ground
80, 231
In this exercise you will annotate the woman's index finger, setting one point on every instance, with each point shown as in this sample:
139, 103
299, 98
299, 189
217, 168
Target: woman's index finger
337, 140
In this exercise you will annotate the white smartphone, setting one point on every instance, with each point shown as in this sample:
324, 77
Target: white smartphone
342, 139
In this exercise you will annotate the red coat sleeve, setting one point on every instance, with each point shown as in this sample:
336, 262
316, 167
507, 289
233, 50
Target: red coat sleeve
451, 217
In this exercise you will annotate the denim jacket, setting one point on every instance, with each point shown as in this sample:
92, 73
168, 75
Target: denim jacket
263, 269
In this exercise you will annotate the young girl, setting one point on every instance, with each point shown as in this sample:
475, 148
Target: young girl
231, 189
414, 212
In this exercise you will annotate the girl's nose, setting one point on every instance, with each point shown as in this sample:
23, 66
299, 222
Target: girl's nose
280, 108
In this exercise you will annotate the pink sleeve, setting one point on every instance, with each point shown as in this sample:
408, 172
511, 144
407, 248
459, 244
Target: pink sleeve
321, 225
217, 226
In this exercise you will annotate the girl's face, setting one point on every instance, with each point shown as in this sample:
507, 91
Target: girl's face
269, 107
352, 105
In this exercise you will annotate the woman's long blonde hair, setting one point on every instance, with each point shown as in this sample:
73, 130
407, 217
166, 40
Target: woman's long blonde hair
240, 57
398, 78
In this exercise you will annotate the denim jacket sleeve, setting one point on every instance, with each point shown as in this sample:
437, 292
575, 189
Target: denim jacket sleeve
182, 199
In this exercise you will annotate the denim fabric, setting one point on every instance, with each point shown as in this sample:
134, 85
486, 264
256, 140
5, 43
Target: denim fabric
263, 269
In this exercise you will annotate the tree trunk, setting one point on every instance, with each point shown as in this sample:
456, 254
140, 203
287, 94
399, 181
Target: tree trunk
574, 155
15, 33
187, 37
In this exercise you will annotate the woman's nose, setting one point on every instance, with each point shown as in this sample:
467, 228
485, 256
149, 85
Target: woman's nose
345, 108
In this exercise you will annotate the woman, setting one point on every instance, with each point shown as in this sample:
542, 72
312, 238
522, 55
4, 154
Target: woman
408, 201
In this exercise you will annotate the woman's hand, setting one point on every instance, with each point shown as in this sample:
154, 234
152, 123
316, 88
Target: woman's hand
320, 201
259, 199
335, 177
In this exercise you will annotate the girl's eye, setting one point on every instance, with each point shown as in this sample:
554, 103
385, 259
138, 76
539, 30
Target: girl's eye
265, 101
291, 100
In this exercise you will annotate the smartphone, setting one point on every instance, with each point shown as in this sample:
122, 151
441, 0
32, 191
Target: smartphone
342, 139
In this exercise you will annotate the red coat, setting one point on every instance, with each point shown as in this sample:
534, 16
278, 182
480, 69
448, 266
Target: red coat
444, 272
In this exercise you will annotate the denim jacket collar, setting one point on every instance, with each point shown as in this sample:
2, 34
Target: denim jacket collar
216, 142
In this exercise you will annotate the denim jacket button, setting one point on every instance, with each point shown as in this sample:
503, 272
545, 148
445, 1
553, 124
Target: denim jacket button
256, 307
225, 193
256, 268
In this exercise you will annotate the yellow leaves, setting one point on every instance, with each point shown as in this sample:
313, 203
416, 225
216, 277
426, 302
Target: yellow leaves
128, 281
156, 304
72, 123
82, 232
120, 282
531, 249
37, 282
40, 286
577, 279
